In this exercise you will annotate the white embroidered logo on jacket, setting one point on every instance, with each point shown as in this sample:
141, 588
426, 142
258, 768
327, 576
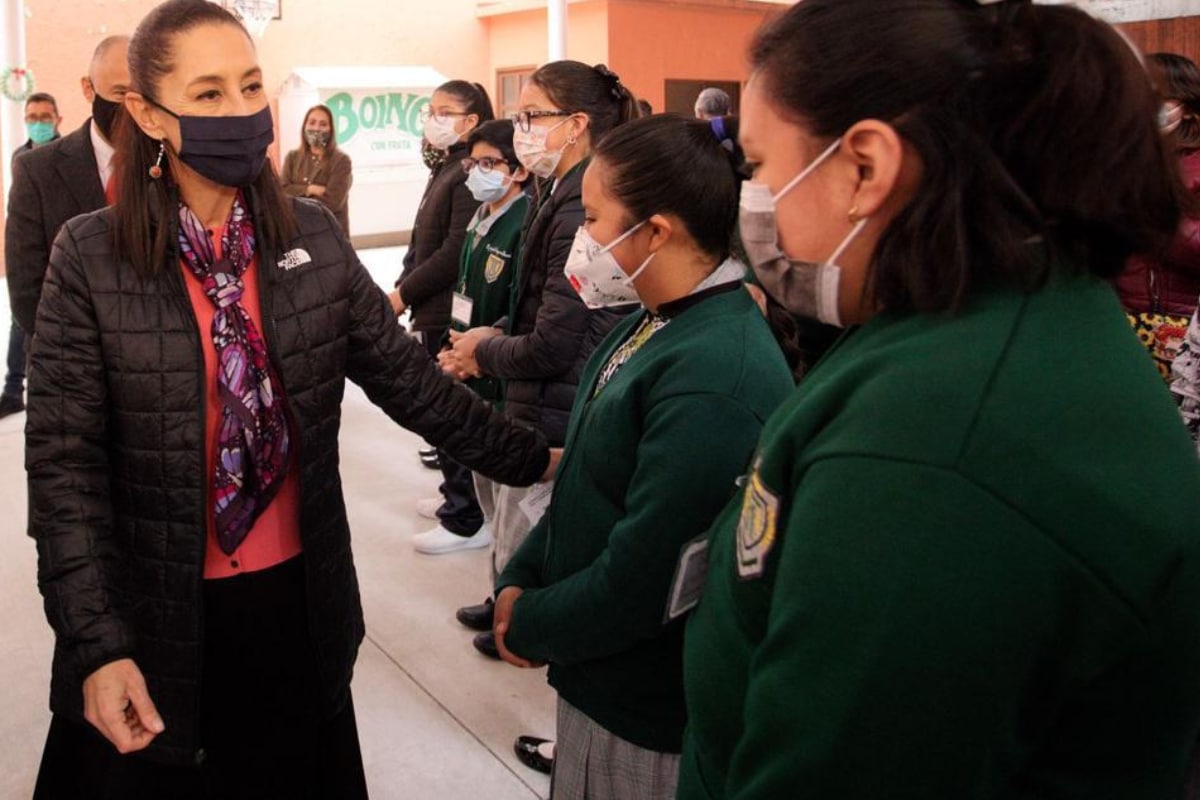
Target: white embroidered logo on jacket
294, 258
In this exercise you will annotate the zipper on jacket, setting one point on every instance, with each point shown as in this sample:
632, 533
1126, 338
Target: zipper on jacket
176, 270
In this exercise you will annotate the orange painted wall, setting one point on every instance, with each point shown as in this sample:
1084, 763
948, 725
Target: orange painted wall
520, 39
653, 42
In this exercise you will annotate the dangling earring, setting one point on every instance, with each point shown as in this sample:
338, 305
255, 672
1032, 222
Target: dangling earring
156, 169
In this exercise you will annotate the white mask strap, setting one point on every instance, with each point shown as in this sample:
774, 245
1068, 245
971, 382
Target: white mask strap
637, 272
622, 237
858, 226
809, 169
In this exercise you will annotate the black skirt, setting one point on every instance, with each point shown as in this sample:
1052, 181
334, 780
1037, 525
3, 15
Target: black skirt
260, 727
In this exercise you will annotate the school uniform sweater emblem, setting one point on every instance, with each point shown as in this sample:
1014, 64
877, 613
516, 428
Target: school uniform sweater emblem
494, 266
756, 527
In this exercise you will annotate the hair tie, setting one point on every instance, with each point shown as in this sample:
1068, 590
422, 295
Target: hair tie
718, 128
617, 89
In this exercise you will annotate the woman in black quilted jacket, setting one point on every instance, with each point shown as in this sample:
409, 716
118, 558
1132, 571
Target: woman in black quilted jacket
192, 350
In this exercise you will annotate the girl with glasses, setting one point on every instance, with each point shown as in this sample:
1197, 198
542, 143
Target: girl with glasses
426, 288
540, 348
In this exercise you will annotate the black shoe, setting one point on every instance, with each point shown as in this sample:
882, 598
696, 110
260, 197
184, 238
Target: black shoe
477, 618
486, 643
526, 748
10, 405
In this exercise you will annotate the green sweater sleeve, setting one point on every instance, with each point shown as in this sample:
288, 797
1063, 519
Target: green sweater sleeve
693, 448
907, 610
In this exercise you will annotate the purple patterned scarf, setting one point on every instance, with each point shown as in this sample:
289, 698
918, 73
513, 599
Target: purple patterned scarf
252, 440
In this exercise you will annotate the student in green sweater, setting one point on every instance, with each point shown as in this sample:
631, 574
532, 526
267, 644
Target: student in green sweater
482, 297
966, 560
667, 414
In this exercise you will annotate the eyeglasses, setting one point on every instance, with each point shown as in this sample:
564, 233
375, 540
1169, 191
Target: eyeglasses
486, 163
442, 116
524, 119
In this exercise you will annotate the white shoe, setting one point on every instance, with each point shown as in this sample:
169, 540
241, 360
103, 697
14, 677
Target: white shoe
427, 507
437, 541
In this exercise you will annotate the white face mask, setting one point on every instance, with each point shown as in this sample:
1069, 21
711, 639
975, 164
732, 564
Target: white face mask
595, 274
807, 288
530, 147
441, 133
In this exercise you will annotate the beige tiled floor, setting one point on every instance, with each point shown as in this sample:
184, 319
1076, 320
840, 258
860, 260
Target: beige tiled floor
436, 719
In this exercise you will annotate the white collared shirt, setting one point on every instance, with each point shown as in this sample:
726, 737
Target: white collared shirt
104, 155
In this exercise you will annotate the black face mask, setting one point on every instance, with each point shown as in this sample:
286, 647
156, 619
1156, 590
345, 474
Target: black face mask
230, 151
104, 113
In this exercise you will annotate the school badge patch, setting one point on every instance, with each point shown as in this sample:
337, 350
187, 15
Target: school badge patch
756, 528
493, 268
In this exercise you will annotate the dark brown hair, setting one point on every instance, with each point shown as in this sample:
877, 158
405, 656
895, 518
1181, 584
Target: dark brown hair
1177, 78
473, 96
499, 134
42, 97
1034, 125
665, 164
596, 91
145, 208
332, 128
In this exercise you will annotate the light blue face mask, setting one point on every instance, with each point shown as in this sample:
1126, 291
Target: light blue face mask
40, 132
487, 187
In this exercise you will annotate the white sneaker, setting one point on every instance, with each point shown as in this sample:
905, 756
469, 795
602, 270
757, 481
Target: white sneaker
427, 507
437, 541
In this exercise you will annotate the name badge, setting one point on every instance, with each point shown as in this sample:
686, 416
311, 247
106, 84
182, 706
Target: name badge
461, 308
536, 502
690, 574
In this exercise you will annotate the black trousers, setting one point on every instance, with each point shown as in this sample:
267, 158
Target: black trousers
460, 512
18, 355
262, 733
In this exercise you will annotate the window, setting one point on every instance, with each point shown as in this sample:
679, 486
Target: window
509, 83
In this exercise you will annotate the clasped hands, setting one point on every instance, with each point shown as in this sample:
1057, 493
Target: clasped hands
458, 360
501, 620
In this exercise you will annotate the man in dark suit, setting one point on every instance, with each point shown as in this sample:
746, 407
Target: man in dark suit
41, 123
51, 184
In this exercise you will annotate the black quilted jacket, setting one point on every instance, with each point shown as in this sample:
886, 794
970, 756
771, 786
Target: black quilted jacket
115, 451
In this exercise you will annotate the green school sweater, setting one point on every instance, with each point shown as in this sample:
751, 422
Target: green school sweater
649, 462
965, 565
485, 274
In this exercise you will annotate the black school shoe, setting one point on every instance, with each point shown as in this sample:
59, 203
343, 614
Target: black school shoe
526, 748
429, 458
486, 643
477, 618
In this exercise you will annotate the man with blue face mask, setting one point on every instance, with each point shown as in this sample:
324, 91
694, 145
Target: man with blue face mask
41, 121
53, 181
